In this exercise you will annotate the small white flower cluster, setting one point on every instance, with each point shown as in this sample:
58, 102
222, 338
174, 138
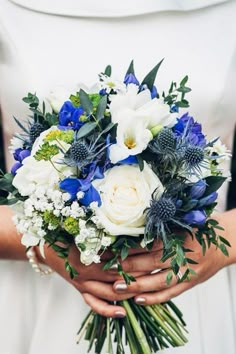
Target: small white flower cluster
94, 241
110, 84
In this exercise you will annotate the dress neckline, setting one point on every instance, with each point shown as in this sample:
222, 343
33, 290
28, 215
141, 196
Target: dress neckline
108, 8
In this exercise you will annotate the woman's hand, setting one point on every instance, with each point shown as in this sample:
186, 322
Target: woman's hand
153, 289
93, 282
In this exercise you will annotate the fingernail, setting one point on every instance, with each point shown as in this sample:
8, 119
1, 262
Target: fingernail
114, 267
155, 271
119, 314
121, 287
140, 300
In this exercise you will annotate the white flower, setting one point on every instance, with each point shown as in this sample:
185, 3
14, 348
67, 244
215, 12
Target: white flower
221, 150
42, 173
16, 143
57, 98
80, 195
125, 193
106, 241
136, 113
108, 83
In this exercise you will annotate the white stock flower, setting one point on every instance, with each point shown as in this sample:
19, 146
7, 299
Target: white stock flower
42, 173
136, 113
125, 193
221, 150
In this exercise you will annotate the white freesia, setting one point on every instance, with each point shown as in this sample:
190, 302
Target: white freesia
125, 193
136, 113
35, 173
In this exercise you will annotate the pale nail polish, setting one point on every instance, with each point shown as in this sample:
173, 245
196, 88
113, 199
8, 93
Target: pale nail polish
140, 300
119, 314
121, 287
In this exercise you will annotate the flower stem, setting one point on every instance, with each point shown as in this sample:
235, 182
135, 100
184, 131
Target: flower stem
178, 341
137, 329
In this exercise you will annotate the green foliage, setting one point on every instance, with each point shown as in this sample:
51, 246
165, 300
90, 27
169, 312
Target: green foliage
75, 99
176, 94
86, 102
130, 68
108, 70
46, 152
151, 76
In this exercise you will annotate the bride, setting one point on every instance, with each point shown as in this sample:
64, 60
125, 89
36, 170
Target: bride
47, 44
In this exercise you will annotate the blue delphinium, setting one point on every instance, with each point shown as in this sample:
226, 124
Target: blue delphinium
19, 155
131, 79
69, 116
190, 130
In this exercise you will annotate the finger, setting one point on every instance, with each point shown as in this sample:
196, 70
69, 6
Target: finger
146, 283
103, 308
163, 296
103, 291
139, 250
145, 262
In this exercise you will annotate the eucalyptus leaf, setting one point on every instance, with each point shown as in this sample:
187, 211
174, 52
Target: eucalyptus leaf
101, 107
108, 70
86, 129
85, 101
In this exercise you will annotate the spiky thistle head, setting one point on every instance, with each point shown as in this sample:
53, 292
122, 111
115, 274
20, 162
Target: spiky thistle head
79, 151
35, 130
194, 155
166, 140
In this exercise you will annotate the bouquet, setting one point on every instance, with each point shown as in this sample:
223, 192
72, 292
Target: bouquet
118, 167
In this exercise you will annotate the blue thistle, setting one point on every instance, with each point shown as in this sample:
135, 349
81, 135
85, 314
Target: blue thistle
35, 130
193, 155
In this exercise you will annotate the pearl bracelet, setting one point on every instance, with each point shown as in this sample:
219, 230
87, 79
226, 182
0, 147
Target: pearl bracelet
32, 257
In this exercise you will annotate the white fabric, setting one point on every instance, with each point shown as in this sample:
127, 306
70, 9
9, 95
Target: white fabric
39, 52
107, 8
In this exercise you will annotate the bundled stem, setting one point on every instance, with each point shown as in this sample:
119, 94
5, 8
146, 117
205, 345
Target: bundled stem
146, 329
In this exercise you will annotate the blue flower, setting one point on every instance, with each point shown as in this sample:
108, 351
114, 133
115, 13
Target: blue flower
130, 160
198, 189
195, 217
153, 91
75, 185
131, 79
19, 155
16, 167
190, 130
69, 116
209, 199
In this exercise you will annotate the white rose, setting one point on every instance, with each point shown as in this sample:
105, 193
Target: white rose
125, 193
136, 113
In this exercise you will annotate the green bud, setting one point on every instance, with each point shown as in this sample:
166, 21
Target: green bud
71, 225
155, 130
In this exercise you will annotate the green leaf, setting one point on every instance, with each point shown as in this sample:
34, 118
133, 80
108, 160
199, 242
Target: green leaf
130, 68
226, 242
108, 70
109, 263
86, 129
140, 162
124, 253
6, 183
213, 184
191, 261
101, 107
224, 249
85, 101
21, 125
151, 76
184, 81
169, 278
184, 89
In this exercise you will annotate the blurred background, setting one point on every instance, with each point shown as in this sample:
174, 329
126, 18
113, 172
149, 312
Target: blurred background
232, 189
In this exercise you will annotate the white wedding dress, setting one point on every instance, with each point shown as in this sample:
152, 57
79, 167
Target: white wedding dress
40, 50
